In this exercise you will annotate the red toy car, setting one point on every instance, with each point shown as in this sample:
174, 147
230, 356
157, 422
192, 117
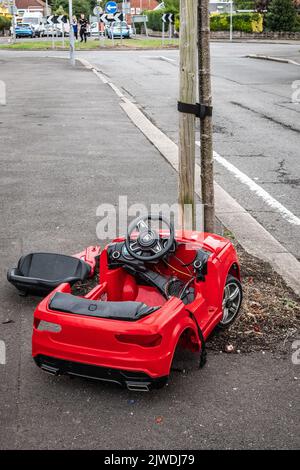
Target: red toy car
156, 289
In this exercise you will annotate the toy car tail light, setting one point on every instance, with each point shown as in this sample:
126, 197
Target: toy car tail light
147, 341
43, 325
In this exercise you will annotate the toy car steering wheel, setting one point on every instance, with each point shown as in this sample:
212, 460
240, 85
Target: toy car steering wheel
148, 239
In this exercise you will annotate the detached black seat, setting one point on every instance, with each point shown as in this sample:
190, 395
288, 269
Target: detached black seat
129, 311
40, 273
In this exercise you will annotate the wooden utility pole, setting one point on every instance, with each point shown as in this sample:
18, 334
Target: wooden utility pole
187, 95
206, 129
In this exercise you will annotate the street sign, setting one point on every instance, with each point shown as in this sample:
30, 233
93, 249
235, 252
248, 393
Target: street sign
55, 19
111, 7
107, 18
139, 18
126, 8
97, 10
168, 18
13, 10
62, 19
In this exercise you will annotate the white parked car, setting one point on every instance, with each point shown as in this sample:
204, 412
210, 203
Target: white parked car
35, 19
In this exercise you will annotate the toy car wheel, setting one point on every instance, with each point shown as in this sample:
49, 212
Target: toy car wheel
232, 299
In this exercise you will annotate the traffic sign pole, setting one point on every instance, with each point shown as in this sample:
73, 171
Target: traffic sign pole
63, 33
231, 13
98, 21
71, 34
163, 33
14, 21
47, 12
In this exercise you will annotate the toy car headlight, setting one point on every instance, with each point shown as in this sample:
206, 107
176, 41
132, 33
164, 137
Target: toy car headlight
43, 325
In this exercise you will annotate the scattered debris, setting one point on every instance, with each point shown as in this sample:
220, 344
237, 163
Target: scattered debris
270, 314
159, 419
229, 348
6, 322
82, 288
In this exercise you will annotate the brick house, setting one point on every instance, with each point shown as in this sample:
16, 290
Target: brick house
32, 5
137, 6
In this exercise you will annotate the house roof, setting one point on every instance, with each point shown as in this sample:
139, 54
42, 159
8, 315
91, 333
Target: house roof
26, 4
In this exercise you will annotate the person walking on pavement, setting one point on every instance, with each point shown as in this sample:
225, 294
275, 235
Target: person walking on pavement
83, 22
75, 27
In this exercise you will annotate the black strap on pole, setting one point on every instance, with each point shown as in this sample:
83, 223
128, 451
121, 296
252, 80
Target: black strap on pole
198, 109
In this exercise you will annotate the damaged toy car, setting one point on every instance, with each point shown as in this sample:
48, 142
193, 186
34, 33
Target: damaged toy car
154, 290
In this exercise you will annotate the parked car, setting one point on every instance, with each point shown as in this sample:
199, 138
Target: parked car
56, 30
118, 29
35, 19
63, 27
93, 30
24, 30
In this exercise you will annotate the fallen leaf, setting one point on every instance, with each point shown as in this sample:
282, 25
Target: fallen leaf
159, 419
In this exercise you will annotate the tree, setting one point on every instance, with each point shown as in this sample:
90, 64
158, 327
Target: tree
244, 4
262, 5
79, 6
60, 11
172, 5
281, 16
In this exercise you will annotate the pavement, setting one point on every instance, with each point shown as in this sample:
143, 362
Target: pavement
256, 122
256, 116
66, 148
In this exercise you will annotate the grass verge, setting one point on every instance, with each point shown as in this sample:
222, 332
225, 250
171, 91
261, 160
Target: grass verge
92, 44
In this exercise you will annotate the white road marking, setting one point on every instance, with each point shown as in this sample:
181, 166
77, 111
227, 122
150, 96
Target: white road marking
167, 59
159, 57
252, 236
255, 188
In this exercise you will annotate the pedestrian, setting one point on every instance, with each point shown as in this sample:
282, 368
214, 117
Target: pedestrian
75, 27
83, 22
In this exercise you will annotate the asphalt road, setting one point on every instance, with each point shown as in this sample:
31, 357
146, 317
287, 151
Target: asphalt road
65, 148
256, 122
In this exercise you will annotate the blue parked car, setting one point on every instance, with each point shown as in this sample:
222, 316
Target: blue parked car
24, 30
117, 27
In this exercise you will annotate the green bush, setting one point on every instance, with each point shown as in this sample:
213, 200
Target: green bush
281, 16
297, 26
244, 4
246, 22
5, 23
154, 18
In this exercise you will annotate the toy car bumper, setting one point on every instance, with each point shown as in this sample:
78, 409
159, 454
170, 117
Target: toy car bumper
109, 344
134, 381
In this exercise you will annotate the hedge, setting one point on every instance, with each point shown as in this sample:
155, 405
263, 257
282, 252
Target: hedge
155, 21
246, 22
5, 23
